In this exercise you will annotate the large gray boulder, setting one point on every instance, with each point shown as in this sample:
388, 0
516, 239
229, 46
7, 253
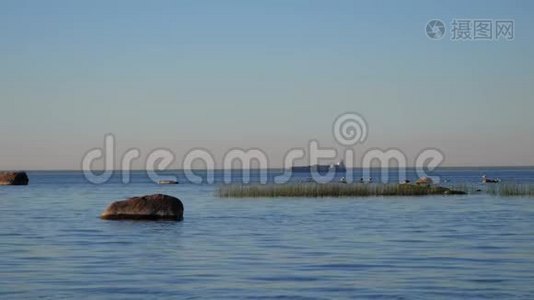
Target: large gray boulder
151, 207
13, 178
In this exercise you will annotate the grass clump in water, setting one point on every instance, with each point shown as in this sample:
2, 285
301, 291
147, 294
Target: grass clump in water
331, 190
511, 189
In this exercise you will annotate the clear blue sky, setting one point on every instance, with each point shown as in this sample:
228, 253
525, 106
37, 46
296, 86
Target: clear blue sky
268, 74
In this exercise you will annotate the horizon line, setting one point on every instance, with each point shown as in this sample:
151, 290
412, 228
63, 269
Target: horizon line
257, 169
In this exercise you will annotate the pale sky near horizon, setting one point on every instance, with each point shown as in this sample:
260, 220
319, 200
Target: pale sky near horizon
265, 74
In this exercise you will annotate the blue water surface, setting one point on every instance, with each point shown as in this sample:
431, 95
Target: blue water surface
53, 245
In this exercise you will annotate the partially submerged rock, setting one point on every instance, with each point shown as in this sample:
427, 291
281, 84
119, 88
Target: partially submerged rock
167, 182
13, 178
454, 192
150, 207
446, 191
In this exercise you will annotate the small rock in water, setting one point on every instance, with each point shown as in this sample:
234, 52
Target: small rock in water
13, 178
150, 207
424, 181
167, 182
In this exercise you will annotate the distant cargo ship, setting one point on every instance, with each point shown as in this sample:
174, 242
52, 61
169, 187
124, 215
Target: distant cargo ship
339, 167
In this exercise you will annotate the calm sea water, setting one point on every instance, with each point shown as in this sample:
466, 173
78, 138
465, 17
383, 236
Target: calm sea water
53, 245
